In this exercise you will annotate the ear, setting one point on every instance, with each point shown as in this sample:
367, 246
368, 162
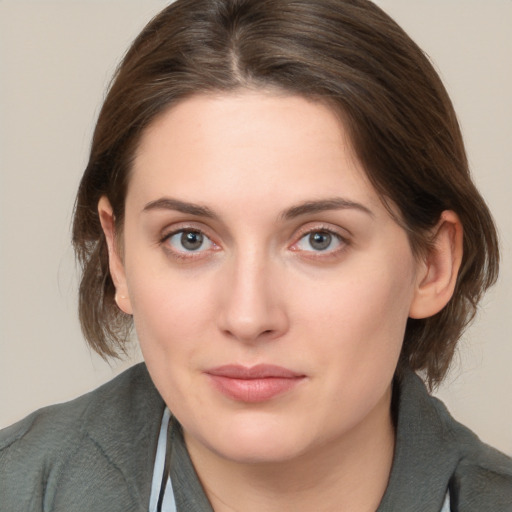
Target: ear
115, 261
437, 272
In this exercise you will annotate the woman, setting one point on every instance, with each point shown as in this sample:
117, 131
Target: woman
278, 197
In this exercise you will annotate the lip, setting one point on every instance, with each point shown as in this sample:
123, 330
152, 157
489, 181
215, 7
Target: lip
253, 384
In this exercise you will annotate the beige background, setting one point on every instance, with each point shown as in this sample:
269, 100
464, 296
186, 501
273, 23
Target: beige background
56, 58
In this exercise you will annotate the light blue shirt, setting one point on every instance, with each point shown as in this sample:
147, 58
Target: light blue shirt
168, 503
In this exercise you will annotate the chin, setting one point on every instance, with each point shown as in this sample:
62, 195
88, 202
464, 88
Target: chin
258, 443
263, 452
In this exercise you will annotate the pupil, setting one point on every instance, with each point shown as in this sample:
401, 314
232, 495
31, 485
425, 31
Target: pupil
191, 240
320, 240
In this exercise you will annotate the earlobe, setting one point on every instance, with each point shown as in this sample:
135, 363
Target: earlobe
115, 262
437, 274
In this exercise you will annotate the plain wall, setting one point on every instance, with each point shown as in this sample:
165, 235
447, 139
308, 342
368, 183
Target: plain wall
56, 58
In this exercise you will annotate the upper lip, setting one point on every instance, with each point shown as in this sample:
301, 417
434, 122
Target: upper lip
260, 371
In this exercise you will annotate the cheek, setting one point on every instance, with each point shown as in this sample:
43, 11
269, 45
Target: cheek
361, 314
358, 324
172, 312
172, 318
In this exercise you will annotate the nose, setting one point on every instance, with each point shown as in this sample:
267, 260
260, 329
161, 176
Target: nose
253, 308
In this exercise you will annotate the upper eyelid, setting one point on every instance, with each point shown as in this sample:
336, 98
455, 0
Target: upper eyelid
312, 227
340, 238
178, 227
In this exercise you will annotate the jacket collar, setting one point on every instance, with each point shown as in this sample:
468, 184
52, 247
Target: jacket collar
124, 421
426, 452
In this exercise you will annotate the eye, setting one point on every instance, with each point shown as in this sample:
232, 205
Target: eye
319, 241
189, 241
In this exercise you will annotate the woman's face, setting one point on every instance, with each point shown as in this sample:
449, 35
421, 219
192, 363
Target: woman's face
269, 286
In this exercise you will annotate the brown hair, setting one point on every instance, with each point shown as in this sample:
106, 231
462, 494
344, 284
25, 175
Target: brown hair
348, 53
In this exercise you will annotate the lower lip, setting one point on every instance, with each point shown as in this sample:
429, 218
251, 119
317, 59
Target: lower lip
254, 390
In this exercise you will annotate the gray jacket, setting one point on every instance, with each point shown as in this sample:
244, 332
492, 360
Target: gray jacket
96, 453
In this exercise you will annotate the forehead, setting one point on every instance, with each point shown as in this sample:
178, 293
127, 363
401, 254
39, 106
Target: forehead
248, 143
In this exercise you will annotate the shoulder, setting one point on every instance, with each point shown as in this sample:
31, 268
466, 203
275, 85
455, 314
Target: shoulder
36, 448
56, 444
58, 424
434, 452
483, 475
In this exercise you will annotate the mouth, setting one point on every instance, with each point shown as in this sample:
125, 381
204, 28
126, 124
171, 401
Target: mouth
253, 384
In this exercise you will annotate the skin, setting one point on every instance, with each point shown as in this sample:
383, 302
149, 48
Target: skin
260, 289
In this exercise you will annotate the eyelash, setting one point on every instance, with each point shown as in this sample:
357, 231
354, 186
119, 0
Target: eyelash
191, 255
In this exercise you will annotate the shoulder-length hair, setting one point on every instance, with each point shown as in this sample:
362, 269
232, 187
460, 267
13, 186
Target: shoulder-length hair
347, 53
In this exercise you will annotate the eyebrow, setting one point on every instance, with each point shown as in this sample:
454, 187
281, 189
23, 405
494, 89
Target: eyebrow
322, 205
167, 203
308, 207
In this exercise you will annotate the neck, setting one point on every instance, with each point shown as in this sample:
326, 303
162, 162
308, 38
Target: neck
349, 473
